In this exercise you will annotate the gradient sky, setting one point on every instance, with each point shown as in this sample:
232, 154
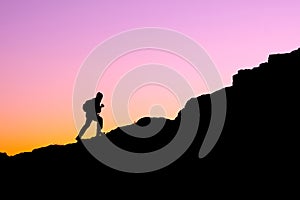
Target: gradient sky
44, 43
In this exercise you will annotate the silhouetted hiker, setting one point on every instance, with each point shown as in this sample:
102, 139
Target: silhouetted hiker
92, 108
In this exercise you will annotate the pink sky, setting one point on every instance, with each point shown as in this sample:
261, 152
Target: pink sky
44, 43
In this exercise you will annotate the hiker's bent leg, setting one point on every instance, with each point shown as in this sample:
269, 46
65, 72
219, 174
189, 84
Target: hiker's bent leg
99, 124
85, 127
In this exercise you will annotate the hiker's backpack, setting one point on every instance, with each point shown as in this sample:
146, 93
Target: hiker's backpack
89, 105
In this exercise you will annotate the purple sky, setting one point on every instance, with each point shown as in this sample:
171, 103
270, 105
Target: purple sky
44, 43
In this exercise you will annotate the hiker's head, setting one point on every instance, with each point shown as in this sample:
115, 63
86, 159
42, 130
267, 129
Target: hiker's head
99, 96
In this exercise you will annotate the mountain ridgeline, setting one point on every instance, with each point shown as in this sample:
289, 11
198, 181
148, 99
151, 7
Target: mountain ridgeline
258, 140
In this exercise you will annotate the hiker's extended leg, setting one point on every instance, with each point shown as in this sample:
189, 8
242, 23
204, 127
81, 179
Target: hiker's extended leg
84, 127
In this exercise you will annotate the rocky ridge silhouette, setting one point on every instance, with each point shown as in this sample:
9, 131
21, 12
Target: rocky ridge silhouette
259, 141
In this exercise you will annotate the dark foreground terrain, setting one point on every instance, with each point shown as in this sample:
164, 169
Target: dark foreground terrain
258, 147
